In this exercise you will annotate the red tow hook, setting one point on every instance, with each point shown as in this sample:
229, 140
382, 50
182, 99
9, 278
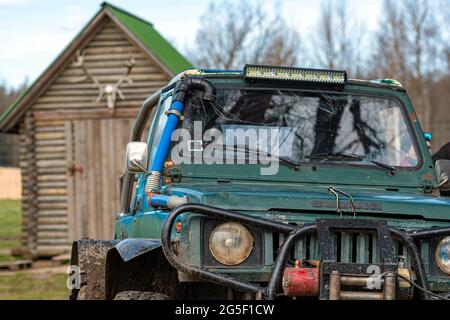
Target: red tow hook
300, 282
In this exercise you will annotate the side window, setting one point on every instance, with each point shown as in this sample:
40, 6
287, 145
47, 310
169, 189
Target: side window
159, 124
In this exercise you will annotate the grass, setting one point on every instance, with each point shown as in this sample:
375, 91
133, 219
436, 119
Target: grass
33, 286
26, 284
7, 257
10, 223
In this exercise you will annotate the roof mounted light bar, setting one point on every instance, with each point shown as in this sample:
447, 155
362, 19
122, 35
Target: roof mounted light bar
336, 77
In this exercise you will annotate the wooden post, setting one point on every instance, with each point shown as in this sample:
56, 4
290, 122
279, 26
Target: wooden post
31, 184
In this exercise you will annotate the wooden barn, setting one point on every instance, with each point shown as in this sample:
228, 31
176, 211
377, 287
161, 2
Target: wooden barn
74, 123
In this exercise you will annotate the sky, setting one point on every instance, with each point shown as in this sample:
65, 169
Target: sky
34, 32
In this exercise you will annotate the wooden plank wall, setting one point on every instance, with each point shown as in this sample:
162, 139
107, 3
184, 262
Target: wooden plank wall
23, 164
104, 57
71, 127
51, 184
44, 194
95, 189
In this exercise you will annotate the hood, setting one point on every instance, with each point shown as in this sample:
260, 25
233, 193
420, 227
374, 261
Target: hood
316, 199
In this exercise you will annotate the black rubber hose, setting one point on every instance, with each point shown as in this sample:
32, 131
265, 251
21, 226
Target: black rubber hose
430, 233
282, 257
144, 115
405, 238
186, 86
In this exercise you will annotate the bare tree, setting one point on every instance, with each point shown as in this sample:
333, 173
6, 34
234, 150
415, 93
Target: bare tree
8, 95
389, 58
422, 50
234, 33
339, 38
445, 23
9, 143
325, 45
407, 49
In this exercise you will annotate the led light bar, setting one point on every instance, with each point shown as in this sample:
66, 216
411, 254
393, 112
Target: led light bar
295, 74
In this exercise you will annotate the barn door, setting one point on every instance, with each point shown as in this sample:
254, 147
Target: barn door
96, 161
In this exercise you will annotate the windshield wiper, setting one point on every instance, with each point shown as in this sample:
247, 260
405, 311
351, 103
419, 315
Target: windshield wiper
286, 161
334, 156
346, 156
388, 167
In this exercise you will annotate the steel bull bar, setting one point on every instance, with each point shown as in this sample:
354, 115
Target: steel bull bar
293, 233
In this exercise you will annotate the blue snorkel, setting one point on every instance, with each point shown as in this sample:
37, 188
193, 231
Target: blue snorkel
182, 90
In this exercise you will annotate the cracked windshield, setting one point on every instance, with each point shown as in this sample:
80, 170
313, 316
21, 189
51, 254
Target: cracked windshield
308, 126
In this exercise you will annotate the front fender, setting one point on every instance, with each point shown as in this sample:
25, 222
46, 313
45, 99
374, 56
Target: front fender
131, 248
139, 264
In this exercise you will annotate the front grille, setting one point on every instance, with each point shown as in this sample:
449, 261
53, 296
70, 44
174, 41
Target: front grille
349, 247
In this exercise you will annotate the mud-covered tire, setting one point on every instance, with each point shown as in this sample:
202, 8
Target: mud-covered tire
140, 295
89, 257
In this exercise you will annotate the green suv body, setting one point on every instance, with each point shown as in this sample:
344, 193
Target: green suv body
306, 184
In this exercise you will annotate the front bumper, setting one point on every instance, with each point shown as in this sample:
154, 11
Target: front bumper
294, 232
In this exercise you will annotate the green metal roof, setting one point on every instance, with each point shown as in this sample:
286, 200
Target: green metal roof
143, 31
14, 104
146, 33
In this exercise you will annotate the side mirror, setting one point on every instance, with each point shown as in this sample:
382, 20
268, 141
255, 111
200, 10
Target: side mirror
136, 157
443, 174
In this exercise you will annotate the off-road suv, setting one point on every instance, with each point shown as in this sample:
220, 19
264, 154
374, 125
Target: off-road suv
272, 183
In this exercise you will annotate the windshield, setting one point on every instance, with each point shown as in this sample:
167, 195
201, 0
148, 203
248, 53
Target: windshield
309, 126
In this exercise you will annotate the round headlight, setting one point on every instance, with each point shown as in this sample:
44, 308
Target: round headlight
443, 255
230, 243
